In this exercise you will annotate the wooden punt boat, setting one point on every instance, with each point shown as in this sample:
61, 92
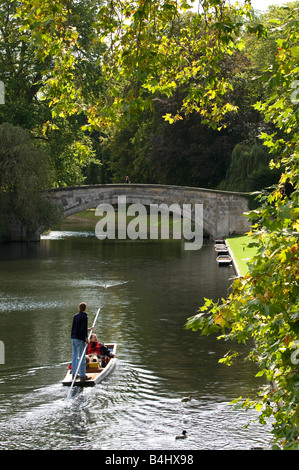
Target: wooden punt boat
219, 242
96, 373
223, 249
223, 260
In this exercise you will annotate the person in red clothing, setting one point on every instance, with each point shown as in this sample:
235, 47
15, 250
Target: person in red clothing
96, 348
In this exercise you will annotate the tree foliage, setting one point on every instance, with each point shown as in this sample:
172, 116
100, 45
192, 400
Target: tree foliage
29, 67
249, 169
145, 54
263, 306
189, 151
24, 180
157, 50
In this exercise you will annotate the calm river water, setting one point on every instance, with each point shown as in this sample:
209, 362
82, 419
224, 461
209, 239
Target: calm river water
151, 289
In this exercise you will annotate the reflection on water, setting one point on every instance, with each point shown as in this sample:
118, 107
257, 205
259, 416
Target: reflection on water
146, 291
61, 234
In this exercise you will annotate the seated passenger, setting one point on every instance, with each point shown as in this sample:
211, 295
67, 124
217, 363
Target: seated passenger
94, 347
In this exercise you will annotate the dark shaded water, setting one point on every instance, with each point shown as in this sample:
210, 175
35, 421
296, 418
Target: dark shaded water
151, 289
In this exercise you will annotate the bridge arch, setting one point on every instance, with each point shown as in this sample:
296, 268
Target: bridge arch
223, 211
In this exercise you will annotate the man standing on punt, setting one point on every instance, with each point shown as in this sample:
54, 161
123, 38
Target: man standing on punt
79, 337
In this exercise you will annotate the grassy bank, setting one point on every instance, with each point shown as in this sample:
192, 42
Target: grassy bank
241, 252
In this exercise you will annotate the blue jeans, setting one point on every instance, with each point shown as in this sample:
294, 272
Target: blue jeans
78, 349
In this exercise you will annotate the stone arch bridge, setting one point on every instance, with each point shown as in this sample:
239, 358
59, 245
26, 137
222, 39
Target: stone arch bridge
223, 211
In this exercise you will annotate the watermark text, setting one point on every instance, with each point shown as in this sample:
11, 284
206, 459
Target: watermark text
295, 94
187, 222
2, 353
295, 354
2, 93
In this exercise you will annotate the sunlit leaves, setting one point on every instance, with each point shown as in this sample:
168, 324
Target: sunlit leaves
150, 45
263, 306
151, 48
55, 40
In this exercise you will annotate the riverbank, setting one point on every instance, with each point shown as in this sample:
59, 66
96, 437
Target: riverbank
241, 253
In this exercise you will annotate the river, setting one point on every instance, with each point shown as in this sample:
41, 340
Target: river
146, 291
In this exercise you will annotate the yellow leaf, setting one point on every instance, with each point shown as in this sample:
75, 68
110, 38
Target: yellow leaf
219, 320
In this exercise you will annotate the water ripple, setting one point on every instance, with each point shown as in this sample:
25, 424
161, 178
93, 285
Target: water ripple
132, 395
